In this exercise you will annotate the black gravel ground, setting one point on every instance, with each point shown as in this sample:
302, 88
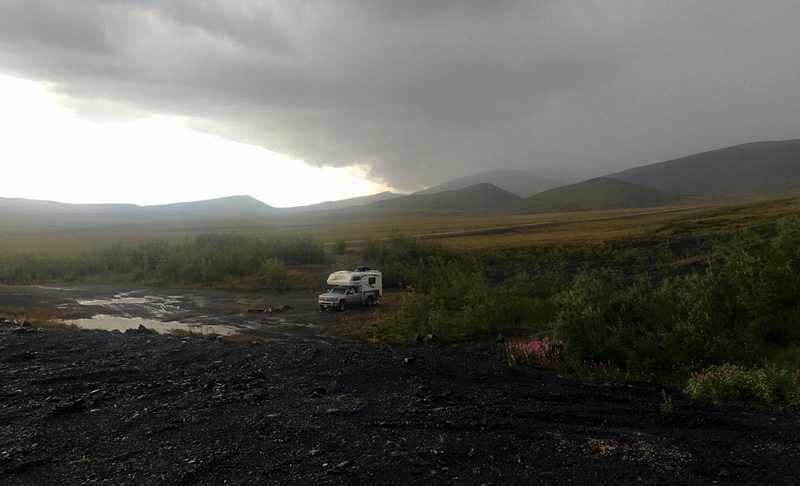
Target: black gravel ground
96, 407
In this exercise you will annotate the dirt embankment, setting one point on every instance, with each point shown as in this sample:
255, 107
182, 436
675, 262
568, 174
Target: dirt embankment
95, 407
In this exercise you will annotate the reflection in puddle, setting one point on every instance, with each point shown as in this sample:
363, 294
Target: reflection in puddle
117, 323
116, 300
127, 299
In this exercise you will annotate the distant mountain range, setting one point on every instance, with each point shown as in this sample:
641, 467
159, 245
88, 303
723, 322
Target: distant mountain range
222, 208
14, 210
763, 168
523, 183
593, 195
346, 203
474, 199
760, 167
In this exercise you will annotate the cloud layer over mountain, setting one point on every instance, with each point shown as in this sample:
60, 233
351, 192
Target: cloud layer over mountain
426, 91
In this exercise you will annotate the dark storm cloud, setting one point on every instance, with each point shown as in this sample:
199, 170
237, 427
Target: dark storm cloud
425, 91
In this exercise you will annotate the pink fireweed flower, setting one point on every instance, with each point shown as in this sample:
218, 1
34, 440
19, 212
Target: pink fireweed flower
543, 350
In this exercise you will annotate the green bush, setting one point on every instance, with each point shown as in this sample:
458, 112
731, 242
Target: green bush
743, 309
602, 320
456, 300
211, 259
406, 260
274, 275
736, 383
340, 247
432, 304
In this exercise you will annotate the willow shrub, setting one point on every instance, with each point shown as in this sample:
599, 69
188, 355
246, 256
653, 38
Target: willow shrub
406, 260
211, 259
456, 300
728, 382
274, 277
601, 320
739, 312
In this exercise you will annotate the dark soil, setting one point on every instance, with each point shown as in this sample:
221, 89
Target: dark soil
136, 408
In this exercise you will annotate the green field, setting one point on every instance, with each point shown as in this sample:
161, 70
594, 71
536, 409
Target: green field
694, 216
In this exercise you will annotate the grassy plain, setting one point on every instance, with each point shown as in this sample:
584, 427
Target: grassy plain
695, 216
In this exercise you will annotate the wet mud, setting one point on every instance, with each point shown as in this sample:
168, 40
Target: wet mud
283, 317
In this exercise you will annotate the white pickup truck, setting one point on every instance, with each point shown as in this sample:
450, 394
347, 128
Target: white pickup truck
363, 286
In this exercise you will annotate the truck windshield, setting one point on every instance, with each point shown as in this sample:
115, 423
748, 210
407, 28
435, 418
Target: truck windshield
338, 290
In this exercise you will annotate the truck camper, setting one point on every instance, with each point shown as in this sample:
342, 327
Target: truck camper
362, 286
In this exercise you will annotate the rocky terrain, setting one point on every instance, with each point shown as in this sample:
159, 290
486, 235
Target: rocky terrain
137, 408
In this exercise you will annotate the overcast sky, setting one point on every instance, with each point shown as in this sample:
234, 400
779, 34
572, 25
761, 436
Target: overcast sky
295, 102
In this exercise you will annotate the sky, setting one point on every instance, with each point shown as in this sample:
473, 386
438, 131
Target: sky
299, 102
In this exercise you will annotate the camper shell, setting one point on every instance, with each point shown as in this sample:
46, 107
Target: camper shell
362, 286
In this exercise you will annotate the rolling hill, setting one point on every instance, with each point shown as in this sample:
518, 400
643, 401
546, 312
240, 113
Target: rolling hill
14, 210
478, 198
26, 211
593, 195
33, 206
221, 208
753, 168
523, 183
345, 203
766, 169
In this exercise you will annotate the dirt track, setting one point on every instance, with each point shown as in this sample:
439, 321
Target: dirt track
96, 407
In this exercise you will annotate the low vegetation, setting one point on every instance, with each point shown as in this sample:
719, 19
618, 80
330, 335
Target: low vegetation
211, 260
708, 301
35, 317
728, 382
726, 329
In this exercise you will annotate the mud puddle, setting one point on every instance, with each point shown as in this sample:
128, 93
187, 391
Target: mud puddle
115, 323
118, 308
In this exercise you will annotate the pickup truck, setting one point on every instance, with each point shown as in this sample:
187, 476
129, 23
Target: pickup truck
364, 286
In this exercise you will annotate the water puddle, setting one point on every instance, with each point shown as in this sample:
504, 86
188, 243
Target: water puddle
118, 299
129, 310
126, 299
117, 323
118, 308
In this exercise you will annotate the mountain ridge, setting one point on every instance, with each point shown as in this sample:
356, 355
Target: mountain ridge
18, 209
523, 183
475, 199
600, 193
756, 167
345, 203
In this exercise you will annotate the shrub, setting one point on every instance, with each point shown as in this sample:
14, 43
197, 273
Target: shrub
211, 259
433, 304
729, 382
742, 309
340, 247
274, 275
406, 260
601, 320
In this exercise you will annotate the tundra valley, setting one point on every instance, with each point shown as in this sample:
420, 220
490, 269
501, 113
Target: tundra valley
641, 327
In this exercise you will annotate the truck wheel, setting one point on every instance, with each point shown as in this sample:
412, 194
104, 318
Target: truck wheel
322, 308
341, 305
370, 301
